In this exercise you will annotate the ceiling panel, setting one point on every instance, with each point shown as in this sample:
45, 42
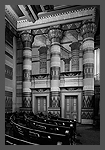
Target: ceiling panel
17, 10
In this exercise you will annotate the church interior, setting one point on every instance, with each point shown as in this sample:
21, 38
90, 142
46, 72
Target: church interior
52, 72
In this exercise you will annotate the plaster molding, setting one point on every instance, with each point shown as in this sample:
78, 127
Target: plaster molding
9, 13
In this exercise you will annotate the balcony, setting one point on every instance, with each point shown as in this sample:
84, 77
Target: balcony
71, 79
40, 81
67, 79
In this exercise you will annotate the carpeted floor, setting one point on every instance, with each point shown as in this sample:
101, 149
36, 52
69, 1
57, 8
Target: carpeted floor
87, 135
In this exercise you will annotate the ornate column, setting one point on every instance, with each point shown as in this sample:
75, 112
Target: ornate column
43, 59
87, 32
55, 34
75, 56
27, 39
67, 64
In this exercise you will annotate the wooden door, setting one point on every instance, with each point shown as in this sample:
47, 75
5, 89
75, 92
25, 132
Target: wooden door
71, 107
41, 104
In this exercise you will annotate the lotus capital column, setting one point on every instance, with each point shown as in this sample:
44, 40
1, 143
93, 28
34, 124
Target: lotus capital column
88, 30
27, 38
55, 35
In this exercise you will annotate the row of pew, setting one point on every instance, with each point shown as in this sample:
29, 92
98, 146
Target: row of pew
10, 140
43, 130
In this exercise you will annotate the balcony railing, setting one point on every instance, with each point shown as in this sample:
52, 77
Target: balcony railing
67, 79
71, 79
40, 81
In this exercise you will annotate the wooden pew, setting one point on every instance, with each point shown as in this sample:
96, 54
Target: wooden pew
52, 128
7, 117
40, 137
53, 119
10, 140
54, 123
46, 126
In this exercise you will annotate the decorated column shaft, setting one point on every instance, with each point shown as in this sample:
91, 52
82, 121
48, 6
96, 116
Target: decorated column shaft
43, 59
87, 32
27, 40
55, 34
75, 55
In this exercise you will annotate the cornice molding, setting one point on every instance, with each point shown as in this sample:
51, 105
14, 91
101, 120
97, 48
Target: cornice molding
11, 16
59, 18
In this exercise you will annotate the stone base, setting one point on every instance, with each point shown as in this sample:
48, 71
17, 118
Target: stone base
55, 110
87, 121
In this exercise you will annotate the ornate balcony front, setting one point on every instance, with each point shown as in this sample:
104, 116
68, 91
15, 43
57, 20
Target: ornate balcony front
71, 79
67, 79
40, 81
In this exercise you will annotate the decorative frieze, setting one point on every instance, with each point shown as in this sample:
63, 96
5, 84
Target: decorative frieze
87, 114
27, 102
40, 76
26, 75
71, 74
55, 99
41, 90
71, 89
88, 70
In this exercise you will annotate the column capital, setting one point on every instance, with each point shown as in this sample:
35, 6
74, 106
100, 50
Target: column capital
55, 33
27, 36
88, 29
75, 46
